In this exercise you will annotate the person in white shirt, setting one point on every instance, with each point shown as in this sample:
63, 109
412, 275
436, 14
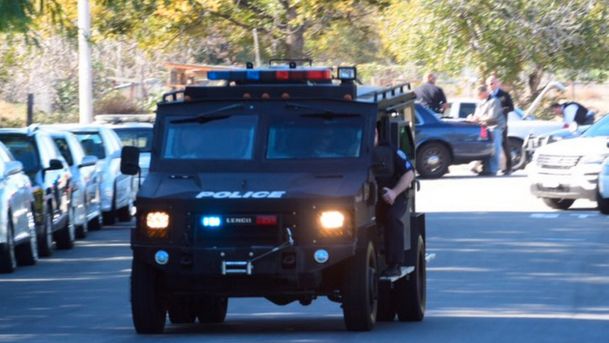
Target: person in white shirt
573, 112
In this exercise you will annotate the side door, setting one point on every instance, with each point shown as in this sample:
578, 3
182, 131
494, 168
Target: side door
58, 180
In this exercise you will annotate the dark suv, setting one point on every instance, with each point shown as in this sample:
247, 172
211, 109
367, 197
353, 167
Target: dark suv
50, 178
265, 187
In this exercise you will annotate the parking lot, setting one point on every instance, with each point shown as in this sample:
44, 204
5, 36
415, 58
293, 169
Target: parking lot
507, 269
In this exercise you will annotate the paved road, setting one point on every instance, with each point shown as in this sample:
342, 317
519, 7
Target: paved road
508, 269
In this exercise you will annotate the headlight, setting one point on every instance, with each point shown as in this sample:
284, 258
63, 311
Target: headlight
594, 159
332, 220
157, 220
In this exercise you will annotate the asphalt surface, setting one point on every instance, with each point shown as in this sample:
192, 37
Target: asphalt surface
508, 269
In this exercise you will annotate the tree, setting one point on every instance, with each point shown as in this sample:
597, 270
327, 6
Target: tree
284, 24
513, 38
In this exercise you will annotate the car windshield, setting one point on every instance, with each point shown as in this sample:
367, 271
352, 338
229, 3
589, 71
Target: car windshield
315, 138
600, 128
64, 149
137, 137
92, 144
224, 138
24, 150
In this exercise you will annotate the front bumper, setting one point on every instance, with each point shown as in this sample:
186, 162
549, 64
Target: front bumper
579, 182
291, 270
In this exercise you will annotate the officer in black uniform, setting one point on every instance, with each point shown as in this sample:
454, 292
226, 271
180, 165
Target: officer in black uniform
391, 207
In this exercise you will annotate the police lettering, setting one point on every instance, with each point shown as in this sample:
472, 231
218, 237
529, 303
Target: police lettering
240, 195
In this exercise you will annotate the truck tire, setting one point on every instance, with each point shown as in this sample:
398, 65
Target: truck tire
8, 260
360, 290
411, 291
65, 237
181, 313
45, 240
212, 310
433, 160
603, 204
386, 307
82, 229
558, 204
147, 308
27, 254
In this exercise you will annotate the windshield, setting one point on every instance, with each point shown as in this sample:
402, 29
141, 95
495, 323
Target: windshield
92, 144
24, 150
314, 138
224, 138
137, 137
600, 128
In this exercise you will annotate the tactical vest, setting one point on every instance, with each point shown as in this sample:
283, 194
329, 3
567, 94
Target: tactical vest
580, 115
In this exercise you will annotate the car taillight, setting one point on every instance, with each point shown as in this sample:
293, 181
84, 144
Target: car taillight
483, 132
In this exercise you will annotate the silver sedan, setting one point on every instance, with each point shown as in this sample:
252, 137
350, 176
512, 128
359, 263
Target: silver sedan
17, 231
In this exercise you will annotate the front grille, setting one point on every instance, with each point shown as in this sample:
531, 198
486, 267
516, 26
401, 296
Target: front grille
557, 162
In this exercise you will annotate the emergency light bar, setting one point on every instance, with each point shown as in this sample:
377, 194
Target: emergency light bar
324, 74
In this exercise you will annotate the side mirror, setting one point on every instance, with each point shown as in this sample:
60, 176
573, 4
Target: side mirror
12, 167
607, 144
88, 161
382, 161
55, 164
130, 158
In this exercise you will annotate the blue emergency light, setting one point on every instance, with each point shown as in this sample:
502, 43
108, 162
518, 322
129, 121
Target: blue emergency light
211, 221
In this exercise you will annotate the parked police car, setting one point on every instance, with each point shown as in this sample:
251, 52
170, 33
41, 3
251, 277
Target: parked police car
265, 187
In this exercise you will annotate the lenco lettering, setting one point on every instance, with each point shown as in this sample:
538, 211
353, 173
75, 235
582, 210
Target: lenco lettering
240, 195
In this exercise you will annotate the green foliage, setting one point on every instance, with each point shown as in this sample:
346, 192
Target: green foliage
511, 38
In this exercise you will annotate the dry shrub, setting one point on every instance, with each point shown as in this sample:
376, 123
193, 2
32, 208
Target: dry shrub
117, 104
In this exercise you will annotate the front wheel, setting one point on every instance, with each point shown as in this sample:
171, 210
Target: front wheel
8, 261
147, 309
27, 254
558, 204
360, 290
433, 160
603, 204
66, 236
517, 153
45, 240
124, 213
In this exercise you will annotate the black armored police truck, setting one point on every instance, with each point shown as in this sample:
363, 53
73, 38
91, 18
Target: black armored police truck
265, 184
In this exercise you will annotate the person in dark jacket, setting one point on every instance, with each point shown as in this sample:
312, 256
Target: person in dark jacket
391, 207
507, 105
430, 95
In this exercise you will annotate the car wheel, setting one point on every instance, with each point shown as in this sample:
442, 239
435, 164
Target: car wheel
411, 291
212, 310
558, 204
124, 213
517, 153
360, 290
27, 254
603, 203
45, 240
147, 309
95, 224
433, 160
65, 237
82, 229
8, 260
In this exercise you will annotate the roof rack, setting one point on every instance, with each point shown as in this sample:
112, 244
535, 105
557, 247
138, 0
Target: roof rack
390, 99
